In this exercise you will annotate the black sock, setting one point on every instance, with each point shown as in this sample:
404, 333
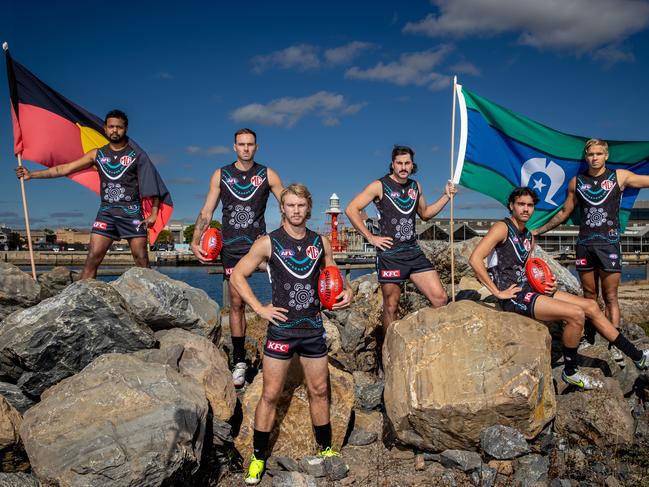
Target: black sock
260, 444
238, 349
627, 348
323, 435
589, 331
570, 360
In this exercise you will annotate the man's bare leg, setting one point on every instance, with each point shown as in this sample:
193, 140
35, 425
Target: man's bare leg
316, 376
430, 286
391, 293
610, 284
97, 249
274, 377
238, 333
139, 251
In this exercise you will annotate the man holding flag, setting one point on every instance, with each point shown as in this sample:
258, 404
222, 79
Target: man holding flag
126, 176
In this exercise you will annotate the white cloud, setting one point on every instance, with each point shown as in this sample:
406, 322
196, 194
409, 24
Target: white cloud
288, 110
301, 57
612, 54
207, 151
465, 67
415, 68
347, 53
577, 25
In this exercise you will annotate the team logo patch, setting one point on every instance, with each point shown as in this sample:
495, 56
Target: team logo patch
277, 346
612, 233
394, 194
104, 160
412, 193
126, 160
585, 187
391, 273
515, 240
528, 297
228, 270
231, 180
607, 184
312, 252
287, 253
581, 262
612, 256
100, 225
136, 222
527, 244
256, 181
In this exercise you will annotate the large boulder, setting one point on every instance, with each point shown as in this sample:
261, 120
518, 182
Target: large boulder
119, 422
197, 358
15, 397
597, 417
292, 434
162, 302
12, 455
48, 342
454, 371
440, 256
565, 280
18, 290
56, 280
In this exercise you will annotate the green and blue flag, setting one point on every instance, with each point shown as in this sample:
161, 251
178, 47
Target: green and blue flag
500, 150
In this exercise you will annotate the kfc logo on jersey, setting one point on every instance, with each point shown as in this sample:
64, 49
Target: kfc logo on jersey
277, 346
527, 244
100, 225
412, 193
312, 252
287, 253
126, 161
528, 297
391, 273
228, 271
607, 184
256, 181
581, 262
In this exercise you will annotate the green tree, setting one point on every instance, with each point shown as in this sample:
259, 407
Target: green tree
188, 233
165, 237
14, 241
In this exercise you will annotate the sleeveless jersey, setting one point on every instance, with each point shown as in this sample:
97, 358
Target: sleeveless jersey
506, 262
244, 195
294, 269
398, 211
118, 179
599, 201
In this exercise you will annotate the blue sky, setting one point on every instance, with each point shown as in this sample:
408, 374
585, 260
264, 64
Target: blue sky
329, 87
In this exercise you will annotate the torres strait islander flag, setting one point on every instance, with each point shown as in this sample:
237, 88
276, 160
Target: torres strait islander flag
500, 150
50, 129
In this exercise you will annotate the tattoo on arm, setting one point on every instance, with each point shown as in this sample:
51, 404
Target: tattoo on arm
554, 221
201, 225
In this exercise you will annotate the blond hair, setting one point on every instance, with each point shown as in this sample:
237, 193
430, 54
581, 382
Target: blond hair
593, 142
300, 191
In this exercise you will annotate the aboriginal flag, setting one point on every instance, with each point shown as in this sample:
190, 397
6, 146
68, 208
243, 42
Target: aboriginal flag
50, 129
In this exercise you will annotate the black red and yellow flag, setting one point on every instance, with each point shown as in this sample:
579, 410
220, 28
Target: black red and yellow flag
50, 129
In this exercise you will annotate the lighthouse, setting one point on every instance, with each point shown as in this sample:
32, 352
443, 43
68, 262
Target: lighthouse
333, 211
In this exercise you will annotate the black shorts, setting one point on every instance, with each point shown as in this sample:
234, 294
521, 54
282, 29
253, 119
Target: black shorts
397, 265
230, 255
118, 224
523, 303
282, 345
604, 257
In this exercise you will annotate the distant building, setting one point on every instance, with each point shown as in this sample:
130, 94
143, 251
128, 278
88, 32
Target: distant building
177, 229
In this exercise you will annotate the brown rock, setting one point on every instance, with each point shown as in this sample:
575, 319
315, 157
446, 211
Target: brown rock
634, 305
17, 290
12, 453
370, 421
599, 417
292, 434
454, 371
503, 467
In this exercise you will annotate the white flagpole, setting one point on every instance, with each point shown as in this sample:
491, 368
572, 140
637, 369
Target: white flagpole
452, 195
29, 234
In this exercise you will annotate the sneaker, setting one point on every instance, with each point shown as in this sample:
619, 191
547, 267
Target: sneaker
328, 452
643, 363
618, 356
255, 470
239, 374
582, 380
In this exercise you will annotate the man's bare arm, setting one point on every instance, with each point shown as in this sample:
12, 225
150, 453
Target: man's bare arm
344, 299
563, 214
85, 161
275, 183
496, 234
205, 215
357, 205
629, 179
426, 212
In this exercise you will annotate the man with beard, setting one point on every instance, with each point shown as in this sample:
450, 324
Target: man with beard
126, 176
597, 193
506, 247
399, 200
243, 188
294, 255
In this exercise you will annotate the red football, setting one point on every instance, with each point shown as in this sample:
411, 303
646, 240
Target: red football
538, 274
330, 285
211, 243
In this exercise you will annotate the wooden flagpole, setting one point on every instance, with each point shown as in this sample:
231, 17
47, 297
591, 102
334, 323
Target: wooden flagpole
29, 234
452, 195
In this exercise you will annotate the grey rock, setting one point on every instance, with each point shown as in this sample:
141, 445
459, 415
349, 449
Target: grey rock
360, 437
119, 422
530, 469
222, 433
335, 468
466, 461
293, 479
18, 290
288, 464
368, 390
560, 483
351, 334
15, 397
432, 457
503, 442
162, 303
313, 466
484, 476
56, 280
48, 342
438, 253
18, 480
565, 280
